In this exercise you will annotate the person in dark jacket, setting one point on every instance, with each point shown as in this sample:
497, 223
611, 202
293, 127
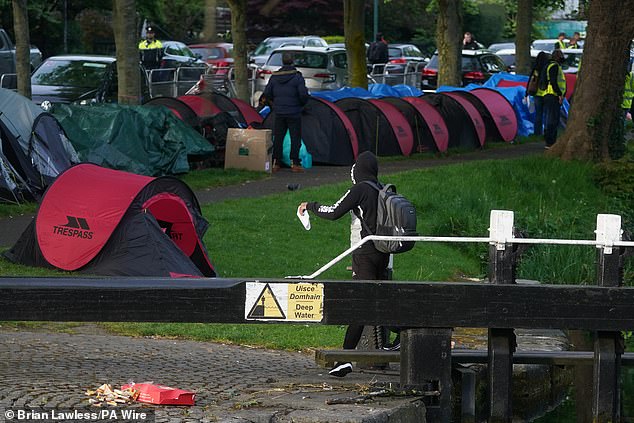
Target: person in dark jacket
287, 94
367, 262
378, 54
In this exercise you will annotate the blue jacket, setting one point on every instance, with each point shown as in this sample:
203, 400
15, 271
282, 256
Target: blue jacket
286, 92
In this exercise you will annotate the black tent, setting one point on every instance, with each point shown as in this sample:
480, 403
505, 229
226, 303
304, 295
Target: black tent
462, 132
108, 222
35, 148
423, 138
498, 113
240, 110
179, 108
327, 133
380, 127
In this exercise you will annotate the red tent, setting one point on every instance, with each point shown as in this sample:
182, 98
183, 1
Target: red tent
109, 222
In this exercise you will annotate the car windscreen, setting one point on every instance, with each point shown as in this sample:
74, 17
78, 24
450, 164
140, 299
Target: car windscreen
266, 47
301, 59
70, 73
210, 53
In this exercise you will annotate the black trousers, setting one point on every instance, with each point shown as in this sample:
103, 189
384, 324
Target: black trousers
292, 124
365, 267
551, 118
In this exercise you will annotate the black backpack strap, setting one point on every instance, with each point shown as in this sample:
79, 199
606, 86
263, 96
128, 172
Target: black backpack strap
377, 186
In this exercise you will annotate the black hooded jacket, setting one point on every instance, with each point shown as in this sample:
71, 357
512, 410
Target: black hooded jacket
286, 91
361, 199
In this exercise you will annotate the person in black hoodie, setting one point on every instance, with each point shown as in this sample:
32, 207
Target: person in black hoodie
287, 94
367, 262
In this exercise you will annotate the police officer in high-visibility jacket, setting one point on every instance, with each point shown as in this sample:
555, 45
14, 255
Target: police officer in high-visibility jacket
150, 49
628, 93
552, 86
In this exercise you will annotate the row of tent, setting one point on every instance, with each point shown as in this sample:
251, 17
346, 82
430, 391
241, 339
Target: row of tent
337, 125
121, 223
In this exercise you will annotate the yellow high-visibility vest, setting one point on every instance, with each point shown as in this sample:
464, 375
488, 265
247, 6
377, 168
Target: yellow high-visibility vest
628, 94
147, 45
561, 81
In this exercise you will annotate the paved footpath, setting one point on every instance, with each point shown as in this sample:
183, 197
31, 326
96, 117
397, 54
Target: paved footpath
232, 383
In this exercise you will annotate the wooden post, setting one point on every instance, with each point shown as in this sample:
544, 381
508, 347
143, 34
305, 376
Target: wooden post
608, 346
502, 341
426, 365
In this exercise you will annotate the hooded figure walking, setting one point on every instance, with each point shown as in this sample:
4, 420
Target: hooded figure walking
286, 93
367, 262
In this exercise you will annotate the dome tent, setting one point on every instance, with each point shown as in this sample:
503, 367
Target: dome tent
380, 127
418, 118
462, 132
327, 132
473, 113
108, 222
241, 111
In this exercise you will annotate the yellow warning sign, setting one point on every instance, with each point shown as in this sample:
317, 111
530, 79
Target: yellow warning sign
297, 302
266, 306
305, 302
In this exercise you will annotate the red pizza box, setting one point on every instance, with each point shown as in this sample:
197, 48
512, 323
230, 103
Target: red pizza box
159, 394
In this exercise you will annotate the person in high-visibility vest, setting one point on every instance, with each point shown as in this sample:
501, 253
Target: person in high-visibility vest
542, 60
552, 87
560, 43
150, 49
628, 93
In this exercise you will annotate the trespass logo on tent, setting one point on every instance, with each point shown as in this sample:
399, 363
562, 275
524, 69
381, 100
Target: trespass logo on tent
75, 227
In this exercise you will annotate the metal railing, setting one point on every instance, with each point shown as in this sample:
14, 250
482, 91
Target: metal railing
608, 235
391, 74
174, 82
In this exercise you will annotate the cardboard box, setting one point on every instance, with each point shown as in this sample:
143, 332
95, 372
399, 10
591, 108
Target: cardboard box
159, 394
250, 149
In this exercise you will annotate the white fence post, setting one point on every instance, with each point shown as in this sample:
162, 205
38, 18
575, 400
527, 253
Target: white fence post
501, 228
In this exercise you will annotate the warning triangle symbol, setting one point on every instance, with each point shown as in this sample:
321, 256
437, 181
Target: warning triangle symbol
266, 306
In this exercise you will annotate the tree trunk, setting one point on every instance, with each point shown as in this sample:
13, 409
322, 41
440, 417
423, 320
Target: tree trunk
22, 47
595, 129
448, 38
523, 37
124, 23
239, 36
209, 30
354, 25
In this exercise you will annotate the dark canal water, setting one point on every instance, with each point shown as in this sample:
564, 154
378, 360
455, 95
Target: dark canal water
567, 412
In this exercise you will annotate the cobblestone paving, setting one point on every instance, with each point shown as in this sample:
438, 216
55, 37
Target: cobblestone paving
53, 370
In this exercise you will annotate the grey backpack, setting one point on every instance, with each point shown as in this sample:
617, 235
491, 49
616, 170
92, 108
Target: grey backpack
395, 216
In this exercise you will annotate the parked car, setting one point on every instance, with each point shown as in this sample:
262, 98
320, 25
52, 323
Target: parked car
323, 68
477, 67
266, 47
403, 59
177, 54
7, 54
217, 55
549, 44
81, 79
508, 56
572, 59
495, 47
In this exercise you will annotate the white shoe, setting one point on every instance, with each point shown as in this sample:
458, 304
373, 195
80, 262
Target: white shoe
340, 369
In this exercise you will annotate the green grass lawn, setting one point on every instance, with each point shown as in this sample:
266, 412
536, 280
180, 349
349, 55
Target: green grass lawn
262, 237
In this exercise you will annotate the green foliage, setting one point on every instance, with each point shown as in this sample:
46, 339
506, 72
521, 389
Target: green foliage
485, 21
333, 39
